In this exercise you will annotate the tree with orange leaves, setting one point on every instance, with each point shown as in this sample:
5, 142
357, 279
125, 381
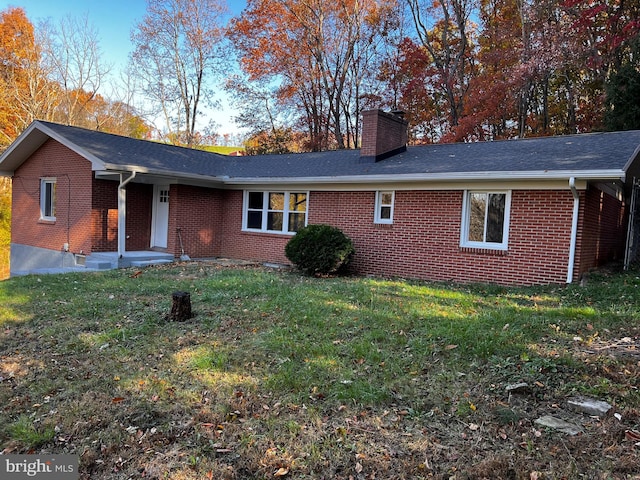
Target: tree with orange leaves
322, 57
26, 91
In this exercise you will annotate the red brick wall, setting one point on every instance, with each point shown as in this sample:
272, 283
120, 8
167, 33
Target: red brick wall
262, 247
424, 240
73, 200
197, 212
382, 132
139, 208
105, 216
603, 230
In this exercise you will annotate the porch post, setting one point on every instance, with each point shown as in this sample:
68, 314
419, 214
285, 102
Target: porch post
122, 213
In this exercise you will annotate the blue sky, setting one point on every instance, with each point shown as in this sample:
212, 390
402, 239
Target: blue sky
114, 20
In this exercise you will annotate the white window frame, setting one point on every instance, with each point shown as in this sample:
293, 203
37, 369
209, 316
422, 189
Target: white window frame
265, 210
379, 205
466, 219
44, 200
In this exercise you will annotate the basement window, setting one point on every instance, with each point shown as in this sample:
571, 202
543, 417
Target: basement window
275, 212
48, 199
384, 206
485, 220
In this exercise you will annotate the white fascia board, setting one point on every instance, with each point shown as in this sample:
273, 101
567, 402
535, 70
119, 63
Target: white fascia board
436, 179
431, 186
23, 146
15, 144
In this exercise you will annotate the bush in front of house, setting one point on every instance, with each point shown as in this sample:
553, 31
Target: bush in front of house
320, 250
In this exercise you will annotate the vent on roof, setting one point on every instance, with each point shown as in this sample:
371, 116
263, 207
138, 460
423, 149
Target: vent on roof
383, 135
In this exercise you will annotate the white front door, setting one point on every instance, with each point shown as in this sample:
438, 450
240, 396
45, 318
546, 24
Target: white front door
160, 216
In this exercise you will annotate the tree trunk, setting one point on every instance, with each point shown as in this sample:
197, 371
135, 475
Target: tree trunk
181, 308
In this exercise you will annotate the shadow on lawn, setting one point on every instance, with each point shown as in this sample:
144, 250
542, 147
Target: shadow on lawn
322, 378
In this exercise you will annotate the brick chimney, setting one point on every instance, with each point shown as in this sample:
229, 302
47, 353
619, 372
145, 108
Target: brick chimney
384, 134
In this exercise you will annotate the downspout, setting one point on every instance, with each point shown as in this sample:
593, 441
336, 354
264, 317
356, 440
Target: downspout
574, 229
122, 213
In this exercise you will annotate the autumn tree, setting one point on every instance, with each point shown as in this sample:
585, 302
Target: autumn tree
530, 68
622, 105
609, 32
443, 30
277, 140
177, 55
26, 91
73, 52
319, 55
492, 103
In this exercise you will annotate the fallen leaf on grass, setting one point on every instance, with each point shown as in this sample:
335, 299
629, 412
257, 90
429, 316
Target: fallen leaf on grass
450, 347
117, 399
633, 436
281, 472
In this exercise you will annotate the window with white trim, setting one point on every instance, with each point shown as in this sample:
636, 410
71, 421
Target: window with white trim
279, 212
384, 206
485, 219
48, 199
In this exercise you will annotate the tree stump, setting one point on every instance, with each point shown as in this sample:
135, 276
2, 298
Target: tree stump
181, 308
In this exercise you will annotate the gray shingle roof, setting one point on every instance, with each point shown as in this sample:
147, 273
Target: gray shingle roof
581, 154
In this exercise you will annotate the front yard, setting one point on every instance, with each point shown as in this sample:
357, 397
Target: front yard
284, 376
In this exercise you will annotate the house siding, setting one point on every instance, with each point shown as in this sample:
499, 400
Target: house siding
254, 246
424, 240
197, 212
72, 200
603, 230
104, 214
138, 220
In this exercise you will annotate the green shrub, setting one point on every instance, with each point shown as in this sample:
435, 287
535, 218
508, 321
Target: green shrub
320, 250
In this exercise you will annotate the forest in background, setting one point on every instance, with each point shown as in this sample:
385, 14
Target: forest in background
300, 72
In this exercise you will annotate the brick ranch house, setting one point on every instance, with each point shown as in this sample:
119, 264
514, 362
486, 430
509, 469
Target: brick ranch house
531, 211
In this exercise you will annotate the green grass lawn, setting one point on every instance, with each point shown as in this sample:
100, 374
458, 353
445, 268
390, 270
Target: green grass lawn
222, 150
280, 375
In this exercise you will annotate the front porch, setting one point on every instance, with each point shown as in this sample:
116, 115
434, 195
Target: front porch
26, 260
111, 260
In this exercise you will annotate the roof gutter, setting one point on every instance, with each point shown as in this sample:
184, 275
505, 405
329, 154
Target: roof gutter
122, 212
574, 229
612, 174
